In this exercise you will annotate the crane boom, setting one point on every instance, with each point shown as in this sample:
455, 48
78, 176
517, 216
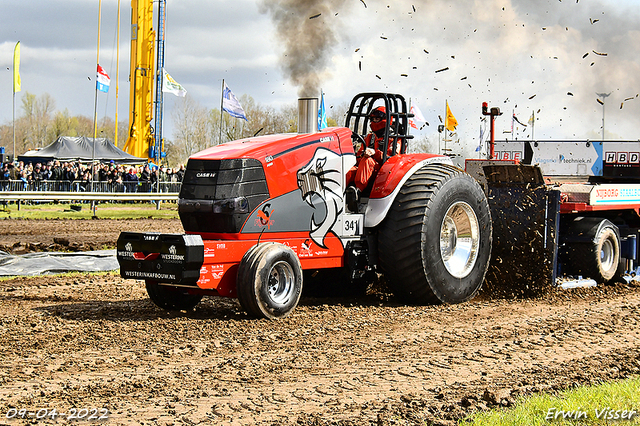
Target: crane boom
141, 79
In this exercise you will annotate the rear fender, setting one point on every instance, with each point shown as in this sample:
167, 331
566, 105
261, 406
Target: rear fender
579, 229
390, 178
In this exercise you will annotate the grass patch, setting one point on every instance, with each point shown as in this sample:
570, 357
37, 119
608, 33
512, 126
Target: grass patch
590, 405
83, 211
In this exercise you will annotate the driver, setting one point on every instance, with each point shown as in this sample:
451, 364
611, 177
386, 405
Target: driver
369, 155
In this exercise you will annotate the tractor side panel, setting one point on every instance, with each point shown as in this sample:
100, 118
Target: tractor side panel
314, 201
281, 167
222, 257
306, 183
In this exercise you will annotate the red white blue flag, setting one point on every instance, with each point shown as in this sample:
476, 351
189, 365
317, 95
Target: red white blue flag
102, 80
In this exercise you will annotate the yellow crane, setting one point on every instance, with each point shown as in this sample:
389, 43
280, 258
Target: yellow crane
141, 79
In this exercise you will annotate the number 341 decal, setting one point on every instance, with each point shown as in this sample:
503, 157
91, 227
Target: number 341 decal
352, 225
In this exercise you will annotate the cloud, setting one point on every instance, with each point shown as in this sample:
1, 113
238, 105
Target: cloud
514, 54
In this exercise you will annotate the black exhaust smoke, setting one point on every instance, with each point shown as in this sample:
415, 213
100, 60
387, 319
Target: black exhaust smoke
307, 29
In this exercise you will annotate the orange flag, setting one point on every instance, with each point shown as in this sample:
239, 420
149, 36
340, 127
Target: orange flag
450, 121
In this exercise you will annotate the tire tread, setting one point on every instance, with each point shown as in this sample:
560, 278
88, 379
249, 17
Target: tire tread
401, 235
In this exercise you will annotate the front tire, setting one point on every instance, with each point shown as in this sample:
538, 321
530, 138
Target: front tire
171, 298
435, 243
269, 281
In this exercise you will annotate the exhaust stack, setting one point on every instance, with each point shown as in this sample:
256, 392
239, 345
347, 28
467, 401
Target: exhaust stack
307, 115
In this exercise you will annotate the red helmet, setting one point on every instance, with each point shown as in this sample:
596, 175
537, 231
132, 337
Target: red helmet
379, 112
378, 127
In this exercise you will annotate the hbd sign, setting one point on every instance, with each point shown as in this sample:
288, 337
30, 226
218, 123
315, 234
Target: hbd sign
622, 157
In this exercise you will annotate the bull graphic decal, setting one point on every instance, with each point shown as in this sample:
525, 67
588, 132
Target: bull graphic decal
320, 179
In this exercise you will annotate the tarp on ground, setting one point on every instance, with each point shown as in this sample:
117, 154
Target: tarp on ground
45, 263
67, 148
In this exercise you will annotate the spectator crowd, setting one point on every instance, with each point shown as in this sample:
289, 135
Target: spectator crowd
76, 176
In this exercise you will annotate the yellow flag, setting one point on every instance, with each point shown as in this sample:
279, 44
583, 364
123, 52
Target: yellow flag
450, 121
16, 68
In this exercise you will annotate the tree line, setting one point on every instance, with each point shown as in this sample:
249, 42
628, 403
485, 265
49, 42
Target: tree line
195, 127
38, 124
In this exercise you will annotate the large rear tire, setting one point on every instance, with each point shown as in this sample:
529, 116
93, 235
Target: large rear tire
269, 281
171, 298
435, 243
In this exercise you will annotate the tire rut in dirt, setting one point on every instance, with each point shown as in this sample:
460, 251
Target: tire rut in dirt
410, 237
70, 340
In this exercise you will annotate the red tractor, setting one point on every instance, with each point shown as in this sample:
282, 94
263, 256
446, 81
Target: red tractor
266, 215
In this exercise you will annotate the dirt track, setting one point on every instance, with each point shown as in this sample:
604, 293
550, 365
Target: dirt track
99, 342
21, 236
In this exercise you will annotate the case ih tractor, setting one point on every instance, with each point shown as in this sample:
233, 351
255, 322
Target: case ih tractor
264, 216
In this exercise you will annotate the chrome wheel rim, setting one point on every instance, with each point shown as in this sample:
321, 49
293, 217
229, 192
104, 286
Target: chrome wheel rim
607, 255
281, 283
459, 239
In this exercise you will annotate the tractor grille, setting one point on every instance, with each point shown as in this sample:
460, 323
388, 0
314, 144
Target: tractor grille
218, 195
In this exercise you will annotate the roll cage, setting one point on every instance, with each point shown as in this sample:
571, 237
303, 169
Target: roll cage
397, 114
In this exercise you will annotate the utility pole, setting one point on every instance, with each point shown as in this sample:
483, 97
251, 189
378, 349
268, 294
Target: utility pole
601, 102
157, 157
141, 79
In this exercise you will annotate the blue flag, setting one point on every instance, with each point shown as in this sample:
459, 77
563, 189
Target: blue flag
481, 136
231, 104
322, 114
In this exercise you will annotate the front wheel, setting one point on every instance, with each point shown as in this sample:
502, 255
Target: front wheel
269, 281
171, 298
435, 243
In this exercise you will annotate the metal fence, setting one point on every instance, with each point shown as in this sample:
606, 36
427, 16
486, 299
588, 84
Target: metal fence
80, 186
53, 191
42, 196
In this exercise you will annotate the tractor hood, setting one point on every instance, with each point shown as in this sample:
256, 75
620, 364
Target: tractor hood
266, 148
224, 184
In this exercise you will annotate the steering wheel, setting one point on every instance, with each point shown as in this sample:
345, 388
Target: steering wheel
355, 137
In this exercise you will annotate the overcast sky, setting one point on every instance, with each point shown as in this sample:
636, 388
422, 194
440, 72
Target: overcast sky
550, 56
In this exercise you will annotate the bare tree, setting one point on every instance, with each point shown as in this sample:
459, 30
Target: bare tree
261, 120
193, 130
37, 112
337, 114
63, 125
288, 119
427, 144
267, 120
84, 126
